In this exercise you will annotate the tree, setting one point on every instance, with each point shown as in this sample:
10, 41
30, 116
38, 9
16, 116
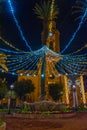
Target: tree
23, 87
55, 91
3, 88
11, 94
3, 61
43, 12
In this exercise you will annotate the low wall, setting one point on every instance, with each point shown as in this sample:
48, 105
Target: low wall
35, 115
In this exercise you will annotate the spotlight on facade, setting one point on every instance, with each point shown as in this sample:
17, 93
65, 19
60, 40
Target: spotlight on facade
3, 71
13, 73
50, 34
28, 74
21, 74
42, 75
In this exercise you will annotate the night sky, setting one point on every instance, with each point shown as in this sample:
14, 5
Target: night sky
32, 26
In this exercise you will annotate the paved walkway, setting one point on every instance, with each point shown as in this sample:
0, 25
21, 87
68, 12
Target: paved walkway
79, 122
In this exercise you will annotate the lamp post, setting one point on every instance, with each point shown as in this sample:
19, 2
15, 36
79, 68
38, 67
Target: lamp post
75, 101
9, 100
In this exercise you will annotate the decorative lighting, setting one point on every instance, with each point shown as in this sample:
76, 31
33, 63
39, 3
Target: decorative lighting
11, 86
74, 86
50, 34
17, 24
21, 74
75, 33
42, 75
28, 74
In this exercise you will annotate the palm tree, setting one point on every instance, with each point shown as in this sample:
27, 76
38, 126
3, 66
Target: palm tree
43, 12
3, 58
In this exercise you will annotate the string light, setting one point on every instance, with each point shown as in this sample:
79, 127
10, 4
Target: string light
75, 33
10, 45
10, 51
17, 24
20, 62
79, 50
51, 18
69, 64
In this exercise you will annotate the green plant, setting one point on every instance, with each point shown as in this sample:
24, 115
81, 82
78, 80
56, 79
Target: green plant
25, 110
46, 113
1, 119
65, 109
81, 109
1, 122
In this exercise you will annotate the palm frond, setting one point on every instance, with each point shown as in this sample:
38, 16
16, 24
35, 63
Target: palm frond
3, 61
43, 11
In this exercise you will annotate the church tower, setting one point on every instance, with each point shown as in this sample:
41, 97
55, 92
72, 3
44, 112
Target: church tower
53, 40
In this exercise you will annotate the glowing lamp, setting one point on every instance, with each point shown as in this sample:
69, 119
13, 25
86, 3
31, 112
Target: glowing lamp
74, 86
13, 73
42, 75
21, 74
11, 86
28, 74
50, 34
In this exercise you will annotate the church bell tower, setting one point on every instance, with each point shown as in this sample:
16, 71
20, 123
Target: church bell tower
53, 40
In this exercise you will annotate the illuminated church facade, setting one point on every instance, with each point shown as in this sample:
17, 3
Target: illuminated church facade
53, 43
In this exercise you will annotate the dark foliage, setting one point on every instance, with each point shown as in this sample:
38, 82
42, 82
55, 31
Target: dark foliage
23, 87
55, 91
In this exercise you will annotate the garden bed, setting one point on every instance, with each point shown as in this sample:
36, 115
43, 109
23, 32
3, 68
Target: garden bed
42, 115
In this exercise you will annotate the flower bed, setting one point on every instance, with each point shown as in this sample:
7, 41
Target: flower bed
43, 115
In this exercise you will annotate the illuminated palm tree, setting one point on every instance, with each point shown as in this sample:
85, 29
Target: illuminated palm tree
43, 12
3, 61
46, 12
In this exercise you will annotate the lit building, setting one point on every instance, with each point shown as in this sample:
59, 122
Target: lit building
73, 92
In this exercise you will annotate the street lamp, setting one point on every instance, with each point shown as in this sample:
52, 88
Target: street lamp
9, 100
75, 102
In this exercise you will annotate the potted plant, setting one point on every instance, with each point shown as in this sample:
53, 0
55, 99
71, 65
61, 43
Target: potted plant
2, 124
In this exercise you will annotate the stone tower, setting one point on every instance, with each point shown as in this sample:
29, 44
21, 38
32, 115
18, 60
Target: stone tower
53, 40
53, 37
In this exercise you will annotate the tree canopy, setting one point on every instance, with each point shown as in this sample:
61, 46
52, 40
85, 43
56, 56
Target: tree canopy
3, 88
43, 11
23, 87
55, 91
